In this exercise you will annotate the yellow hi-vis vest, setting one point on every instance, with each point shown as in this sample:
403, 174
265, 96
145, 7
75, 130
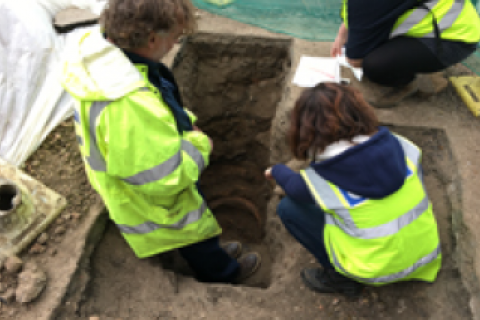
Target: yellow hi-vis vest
457, 20
385, 240
135, 158
150, 223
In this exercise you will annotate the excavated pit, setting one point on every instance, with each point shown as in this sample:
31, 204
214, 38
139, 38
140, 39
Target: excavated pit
125, 287
233, 85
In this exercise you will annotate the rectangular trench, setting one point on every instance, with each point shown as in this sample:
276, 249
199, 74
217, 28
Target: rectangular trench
233, 85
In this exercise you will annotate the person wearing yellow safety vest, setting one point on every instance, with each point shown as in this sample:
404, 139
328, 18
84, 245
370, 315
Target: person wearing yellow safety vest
141, 150
394, 41
360, 207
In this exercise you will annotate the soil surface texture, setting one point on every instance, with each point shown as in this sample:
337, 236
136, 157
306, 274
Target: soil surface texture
240, 88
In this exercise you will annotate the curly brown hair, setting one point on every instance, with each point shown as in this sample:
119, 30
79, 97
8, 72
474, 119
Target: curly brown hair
128, 23
327, 113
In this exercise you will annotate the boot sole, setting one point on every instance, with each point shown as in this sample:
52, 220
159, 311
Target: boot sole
324, 289
238, 253
253, 270
314, 287
395, 103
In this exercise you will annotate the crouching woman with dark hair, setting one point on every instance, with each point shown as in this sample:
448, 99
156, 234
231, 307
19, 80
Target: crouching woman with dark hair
360, 207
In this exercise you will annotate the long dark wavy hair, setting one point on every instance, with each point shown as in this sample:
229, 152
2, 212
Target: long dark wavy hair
327, 113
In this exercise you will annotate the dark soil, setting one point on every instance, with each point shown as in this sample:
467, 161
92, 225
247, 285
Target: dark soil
58, 165
178, 296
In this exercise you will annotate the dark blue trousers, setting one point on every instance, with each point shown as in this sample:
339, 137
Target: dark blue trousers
210, 262
306, 223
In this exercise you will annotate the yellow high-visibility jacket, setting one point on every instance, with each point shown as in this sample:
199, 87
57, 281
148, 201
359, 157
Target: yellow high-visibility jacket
379, 241
457, 20
135, 158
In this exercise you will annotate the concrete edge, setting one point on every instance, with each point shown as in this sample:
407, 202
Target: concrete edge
92, 233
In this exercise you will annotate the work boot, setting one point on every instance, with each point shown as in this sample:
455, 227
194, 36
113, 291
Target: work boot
232, 248
431, 84
392, 96
330, 281
249, 264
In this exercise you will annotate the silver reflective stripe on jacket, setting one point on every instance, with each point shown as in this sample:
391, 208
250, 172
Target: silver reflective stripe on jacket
449, 18
95, 159
383, 230
420, 13
394, 276
97, 162
164, 169
150, 226
330, 200
412, 152
333, 202
348, 225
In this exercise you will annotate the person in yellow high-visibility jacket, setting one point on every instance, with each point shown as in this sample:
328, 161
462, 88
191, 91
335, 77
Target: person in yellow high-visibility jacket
141, 150
396, 40
360, 207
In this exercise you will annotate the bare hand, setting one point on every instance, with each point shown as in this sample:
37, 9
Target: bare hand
268, 174
195, 128
279, 191
336, 49
339, 42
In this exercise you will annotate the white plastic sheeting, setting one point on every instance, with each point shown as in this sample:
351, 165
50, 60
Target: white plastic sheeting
32, 100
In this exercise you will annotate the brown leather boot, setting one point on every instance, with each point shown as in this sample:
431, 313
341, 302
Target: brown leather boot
330, 281
249, 264
232, 248
384, 97
431, 84
392, 96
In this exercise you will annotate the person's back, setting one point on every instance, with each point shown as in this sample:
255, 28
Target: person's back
363, 192
376, 234
119, 117
395, 42
142, 152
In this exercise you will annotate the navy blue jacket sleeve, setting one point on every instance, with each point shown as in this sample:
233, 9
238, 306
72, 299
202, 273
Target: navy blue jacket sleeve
370, 23
292, 183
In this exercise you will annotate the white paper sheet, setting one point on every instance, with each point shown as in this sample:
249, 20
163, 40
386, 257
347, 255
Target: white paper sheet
314, 70
342, 60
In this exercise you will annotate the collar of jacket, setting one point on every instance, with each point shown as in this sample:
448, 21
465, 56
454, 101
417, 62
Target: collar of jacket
157, 73
156, 70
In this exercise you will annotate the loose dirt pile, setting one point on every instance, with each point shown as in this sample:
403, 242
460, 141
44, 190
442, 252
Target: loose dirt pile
58, 165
